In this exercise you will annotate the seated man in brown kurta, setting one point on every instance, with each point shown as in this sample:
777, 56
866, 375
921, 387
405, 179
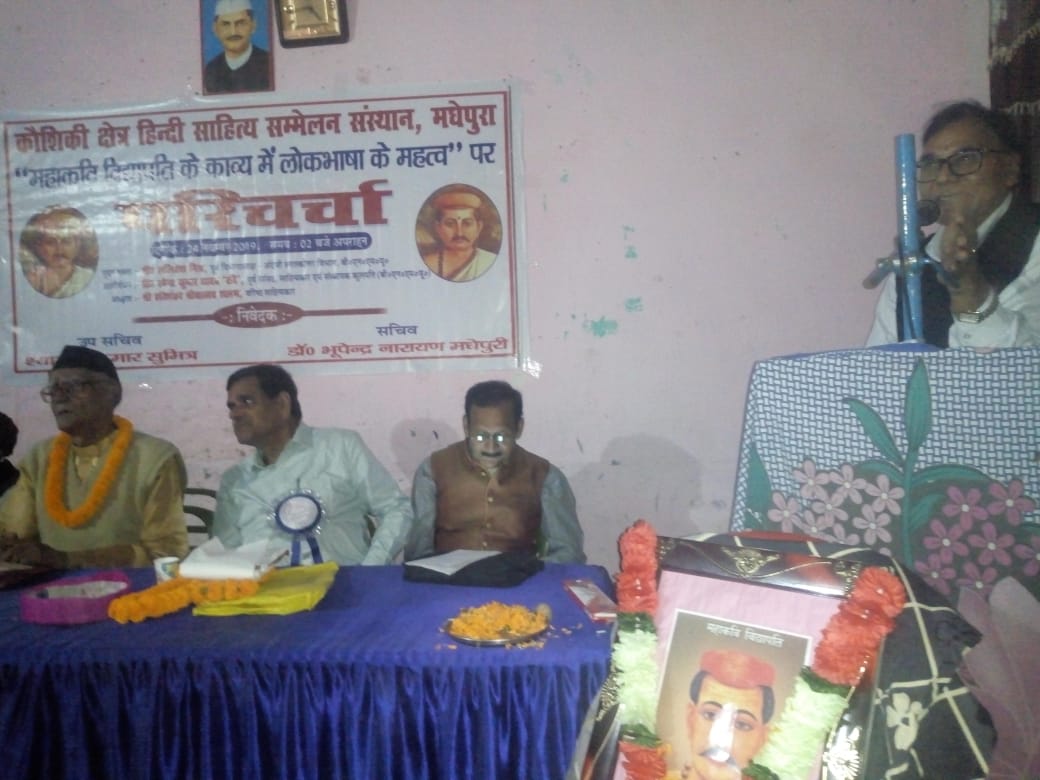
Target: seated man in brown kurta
488, 493
99, 493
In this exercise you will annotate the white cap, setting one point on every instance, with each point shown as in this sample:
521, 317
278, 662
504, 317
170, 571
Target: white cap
232, 7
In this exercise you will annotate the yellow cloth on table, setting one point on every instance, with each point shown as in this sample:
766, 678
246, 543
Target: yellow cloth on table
282, 592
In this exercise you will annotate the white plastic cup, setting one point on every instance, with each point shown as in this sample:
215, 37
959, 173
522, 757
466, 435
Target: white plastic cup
166, 568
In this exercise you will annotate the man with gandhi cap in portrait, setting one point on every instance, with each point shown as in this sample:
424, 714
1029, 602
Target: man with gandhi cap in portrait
458, 224
99, 493
731, 703
242, 66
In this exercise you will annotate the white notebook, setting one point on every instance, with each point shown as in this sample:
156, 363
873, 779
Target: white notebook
451, 562
213, 561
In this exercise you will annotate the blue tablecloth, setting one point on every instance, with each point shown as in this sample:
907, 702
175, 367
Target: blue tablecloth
363, 686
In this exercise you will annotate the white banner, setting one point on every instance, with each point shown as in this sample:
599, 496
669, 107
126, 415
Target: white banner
376, 233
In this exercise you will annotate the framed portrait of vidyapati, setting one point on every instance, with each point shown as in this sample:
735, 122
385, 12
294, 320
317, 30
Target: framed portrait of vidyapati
736, 629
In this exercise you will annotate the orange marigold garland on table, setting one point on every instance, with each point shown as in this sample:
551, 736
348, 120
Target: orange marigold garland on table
54, 482
848, 647
634, 657
176, 594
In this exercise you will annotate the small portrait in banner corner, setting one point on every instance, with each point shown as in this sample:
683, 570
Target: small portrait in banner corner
236, 46
458, 233
58, 252
724, 685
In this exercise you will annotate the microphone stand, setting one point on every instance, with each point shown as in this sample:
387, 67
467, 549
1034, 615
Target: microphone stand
909, 237
908, 259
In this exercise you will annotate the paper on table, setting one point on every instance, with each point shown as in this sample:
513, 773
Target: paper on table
17, 574
284, 592
451, 562
212, 561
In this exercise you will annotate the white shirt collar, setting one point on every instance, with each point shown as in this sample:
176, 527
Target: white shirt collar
237, 62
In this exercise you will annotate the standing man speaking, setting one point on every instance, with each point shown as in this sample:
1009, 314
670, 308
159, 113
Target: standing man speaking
988, 239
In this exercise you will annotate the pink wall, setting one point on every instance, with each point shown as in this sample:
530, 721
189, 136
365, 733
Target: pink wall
707, 181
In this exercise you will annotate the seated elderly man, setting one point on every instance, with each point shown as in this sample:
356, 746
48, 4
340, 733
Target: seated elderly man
316, 491
488, 493
99, 493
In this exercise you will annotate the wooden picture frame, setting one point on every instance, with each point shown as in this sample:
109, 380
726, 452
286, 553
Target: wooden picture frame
242, 28
311, 22
727, 614
715, 598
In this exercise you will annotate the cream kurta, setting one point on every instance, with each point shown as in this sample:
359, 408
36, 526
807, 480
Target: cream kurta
142, 518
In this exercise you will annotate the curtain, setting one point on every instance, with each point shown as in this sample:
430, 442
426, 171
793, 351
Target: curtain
1014, 76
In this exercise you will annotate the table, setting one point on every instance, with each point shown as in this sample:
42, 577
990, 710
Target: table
363, 686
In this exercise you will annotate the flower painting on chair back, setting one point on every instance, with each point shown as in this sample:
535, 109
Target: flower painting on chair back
953, 524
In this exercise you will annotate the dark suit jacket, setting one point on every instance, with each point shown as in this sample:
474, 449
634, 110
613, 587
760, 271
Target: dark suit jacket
254, 76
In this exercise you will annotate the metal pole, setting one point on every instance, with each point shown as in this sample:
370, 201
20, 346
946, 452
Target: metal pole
909, 236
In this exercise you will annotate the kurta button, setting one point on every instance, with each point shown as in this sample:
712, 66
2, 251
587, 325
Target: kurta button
491, 499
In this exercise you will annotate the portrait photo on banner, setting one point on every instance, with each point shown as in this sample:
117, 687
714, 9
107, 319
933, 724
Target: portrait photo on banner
236, 46
58, 251
458, 232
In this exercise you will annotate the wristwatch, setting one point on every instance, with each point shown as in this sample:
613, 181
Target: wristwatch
987, 308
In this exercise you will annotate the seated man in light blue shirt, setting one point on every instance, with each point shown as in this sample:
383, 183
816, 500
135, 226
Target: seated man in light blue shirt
328, 469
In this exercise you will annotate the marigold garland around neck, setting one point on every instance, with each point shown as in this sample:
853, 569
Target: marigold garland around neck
54, 484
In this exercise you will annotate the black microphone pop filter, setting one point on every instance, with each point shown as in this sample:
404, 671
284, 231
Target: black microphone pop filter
927, 212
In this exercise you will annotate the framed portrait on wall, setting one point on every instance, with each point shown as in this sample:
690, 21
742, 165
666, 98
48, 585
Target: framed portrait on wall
236, 46
311, 22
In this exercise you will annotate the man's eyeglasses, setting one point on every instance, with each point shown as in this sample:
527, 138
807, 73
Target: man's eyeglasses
963, 162
243, 402
71, 389
497, 438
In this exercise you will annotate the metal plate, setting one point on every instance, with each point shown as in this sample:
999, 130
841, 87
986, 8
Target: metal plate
511, 639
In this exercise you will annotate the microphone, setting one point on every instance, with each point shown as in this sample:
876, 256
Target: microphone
927, 214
